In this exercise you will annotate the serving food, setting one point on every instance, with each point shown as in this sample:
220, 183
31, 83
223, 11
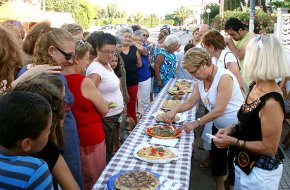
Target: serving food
170, 104
164, 132
137, 180
159, 117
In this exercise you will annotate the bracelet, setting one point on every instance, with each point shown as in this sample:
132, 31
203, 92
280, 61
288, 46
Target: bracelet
237, 142
198, 121
244, 144
241, 143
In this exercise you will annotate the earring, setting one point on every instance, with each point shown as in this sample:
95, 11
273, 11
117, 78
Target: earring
203, 68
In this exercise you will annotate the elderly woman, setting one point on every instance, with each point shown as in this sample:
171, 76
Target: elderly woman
258, 162
75, 29
215, 45
165, 63
219, 90
132, 61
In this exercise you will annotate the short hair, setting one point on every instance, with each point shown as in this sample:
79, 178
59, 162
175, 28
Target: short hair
196, 56
214, 38
136, 27
188, 46
124, 29
33, 34
234, 24
171, 39
105, 39
49, 87
82, 48
22, 115
265, 59
119, 39
139, 33
55, 37
196, 29
72, 28
93, 40
10, 59
163, 33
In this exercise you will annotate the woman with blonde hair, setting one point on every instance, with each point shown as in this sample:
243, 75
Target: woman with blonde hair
57, 48
219, 90
258, 161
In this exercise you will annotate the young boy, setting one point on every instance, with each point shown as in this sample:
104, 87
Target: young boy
25, 120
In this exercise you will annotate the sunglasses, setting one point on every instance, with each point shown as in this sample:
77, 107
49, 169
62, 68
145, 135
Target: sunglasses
146, 35
80, 43
68, 56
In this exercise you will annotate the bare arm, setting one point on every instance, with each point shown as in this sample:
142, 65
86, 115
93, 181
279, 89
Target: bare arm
63, 175
139, 61
95, 78
234, 68
90, 91
159, 60
141, 48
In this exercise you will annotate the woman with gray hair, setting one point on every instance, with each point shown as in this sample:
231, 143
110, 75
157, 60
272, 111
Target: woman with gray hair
165, 63
132, 61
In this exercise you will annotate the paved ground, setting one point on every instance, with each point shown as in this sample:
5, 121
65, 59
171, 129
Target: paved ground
201, 178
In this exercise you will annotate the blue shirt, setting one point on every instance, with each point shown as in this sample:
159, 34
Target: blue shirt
143, 72
24, 172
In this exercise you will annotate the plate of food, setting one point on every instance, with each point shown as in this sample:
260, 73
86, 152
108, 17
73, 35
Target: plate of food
160, 114
179, 90
164, 132
155, 154
169, 104
183, 83
134, 179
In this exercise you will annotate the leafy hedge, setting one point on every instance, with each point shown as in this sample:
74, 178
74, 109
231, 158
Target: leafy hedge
263, 21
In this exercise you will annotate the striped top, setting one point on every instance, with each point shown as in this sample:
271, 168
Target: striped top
24, 172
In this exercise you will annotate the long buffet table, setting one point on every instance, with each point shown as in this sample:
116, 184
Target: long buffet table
124, 160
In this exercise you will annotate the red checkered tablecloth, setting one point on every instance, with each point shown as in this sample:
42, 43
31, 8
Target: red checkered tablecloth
124, 160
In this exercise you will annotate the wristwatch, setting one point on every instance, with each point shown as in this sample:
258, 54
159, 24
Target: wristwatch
198, 121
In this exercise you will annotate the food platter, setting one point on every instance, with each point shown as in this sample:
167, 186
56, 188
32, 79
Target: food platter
183, 83
164, 132
169, 104
112, 180
155, 154
179, 90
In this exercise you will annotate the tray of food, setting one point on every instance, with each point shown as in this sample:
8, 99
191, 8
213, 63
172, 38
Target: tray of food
164, 132
169, 104
134, 179
183, 83
155, 154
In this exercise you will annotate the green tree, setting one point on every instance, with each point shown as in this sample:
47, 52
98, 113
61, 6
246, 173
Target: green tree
138, 18
3, 2
214, 10
183, 13
111, 11
84, 14
176, 20
233, 4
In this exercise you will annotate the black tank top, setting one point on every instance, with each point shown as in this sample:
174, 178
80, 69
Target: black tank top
130, 61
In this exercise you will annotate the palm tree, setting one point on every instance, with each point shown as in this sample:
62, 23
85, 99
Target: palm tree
183, 13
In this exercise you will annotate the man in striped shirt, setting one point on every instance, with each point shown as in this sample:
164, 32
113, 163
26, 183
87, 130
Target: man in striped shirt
25, 121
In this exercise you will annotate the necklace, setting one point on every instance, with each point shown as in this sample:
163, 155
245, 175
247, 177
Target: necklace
211, 79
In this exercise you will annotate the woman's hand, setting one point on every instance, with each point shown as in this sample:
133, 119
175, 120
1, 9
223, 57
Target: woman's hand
227, 130
159, 83
223, 140
169, 117
190, 126
37, 69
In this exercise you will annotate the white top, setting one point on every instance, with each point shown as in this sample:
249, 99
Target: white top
109, 86
222, 60
209, 99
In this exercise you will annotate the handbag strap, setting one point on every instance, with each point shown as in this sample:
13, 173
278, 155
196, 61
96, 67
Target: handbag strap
238, 61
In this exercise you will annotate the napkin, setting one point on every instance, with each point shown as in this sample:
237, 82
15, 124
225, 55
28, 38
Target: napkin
166, 142
168, 184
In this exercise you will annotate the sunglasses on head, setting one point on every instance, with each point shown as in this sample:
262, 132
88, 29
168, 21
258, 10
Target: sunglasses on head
68, 56
80, 43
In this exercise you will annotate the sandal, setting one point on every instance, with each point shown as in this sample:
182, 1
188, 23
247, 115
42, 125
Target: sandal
205, 164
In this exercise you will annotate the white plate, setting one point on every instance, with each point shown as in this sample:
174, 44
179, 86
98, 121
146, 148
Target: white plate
189, 81
160, 161
180, 115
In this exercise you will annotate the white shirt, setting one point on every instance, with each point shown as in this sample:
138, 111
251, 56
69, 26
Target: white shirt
209, 99
109, 86
222, 61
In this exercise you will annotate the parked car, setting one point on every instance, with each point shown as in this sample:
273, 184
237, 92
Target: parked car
112, 29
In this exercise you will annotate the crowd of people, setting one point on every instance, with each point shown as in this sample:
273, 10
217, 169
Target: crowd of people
65, 99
